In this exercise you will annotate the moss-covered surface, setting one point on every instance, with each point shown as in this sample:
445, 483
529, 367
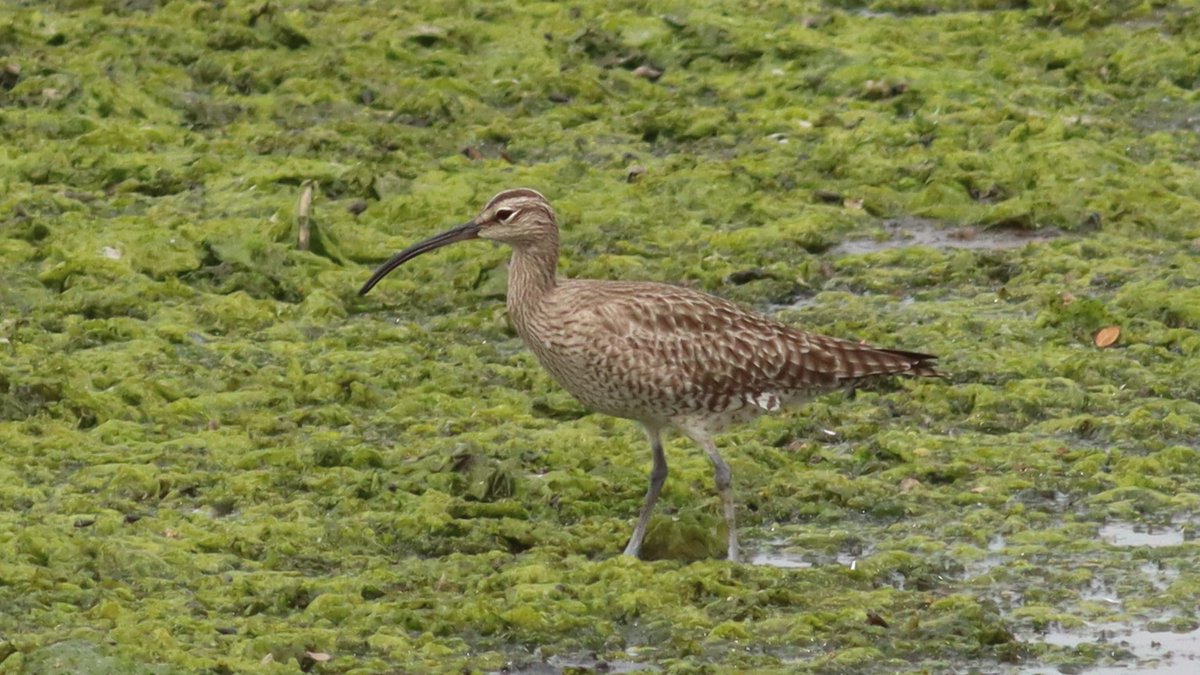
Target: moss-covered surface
215, 457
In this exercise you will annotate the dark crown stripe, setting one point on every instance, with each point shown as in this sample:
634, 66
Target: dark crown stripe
518, 192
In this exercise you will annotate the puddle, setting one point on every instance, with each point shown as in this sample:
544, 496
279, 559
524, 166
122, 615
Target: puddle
906, 232
1158, 652
994, 558
1168, 115
779, 557
799, 303
1160, 577
556, 665
1141, 535
815, 300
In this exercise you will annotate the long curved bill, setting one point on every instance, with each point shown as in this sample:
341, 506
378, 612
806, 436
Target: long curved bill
461, 233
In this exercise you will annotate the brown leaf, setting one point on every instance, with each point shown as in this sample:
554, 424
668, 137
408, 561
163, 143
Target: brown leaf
1105, 337
472, 153
319, 657
874, 619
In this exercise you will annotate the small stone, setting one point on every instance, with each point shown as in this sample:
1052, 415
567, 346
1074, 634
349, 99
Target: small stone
10, 74
427, 35
648, 72
746, 276
828, 196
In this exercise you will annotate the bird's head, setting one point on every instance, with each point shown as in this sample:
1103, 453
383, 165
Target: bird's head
520, 217
516, 217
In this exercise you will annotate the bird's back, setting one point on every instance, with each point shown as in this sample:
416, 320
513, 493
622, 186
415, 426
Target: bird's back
660, 353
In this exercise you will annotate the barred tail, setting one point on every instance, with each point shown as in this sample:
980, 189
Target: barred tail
855, 360
918, 364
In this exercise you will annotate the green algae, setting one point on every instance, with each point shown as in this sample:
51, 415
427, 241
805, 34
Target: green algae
217, 457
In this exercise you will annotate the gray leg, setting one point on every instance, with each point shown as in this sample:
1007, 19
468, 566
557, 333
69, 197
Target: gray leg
658, 476
724, 480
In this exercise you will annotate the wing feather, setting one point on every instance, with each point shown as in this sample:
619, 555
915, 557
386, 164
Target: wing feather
695, 351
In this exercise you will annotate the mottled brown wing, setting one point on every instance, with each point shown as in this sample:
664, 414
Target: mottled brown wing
708, 351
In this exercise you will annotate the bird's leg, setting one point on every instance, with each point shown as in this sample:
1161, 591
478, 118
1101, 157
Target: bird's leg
724, 479
658, 476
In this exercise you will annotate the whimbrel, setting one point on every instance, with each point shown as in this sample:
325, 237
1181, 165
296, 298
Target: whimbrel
659, 354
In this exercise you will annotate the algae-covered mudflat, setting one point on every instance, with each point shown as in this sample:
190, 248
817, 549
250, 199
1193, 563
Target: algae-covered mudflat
216, 457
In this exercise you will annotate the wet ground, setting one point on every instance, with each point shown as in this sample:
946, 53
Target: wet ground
918, 232
215, 456
1164, 642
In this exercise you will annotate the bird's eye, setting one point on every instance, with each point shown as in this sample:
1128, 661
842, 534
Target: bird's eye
505, 215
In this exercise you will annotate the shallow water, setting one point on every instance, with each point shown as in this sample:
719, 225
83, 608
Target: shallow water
1140, 650
914, 232
234, 463
1139, 534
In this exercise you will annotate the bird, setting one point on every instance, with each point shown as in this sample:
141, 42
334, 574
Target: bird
662, 355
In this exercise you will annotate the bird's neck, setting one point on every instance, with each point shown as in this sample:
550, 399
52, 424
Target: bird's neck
532, 275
